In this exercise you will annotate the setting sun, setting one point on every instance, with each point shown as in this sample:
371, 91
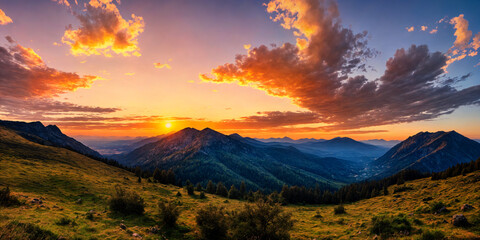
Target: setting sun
168, 125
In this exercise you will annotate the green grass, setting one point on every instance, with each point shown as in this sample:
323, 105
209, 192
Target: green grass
60, 177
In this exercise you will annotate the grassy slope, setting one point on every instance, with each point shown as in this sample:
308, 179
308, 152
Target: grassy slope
61, 177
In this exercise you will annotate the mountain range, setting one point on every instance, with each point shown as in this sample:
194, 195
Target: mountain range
267, 164
340, 147
209, 155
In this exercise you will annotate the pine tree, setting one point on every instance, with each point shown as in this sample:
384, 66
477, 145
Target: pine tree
198, 187
170, 177
243, 189
189, 187
385, 190
139, 179
221, 190
157, 174
233, 193
138, 171
210, 187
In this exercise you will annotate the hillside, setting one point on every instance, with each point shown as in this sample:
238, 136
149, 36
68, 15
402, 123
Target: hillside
427, 152
60, 177
50, 135
205, 155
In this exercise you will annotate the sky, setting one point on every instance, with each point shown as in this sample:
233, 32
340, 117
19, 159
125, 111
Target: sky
303, 69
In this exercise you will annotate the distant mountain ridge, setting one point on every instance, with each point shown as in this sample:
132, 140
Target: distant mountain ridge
382, 142
427, 152
50, 135
113, 147
339, 147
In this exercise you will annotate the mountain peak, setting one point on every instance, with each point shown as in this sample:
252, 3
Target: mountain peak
209, 130
430, 152
54, 128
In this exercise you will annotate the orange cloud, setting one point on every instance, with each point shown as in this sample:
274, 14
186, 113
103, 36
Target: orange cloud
476, 42
318, 76
24, 75
103, 30
433, 31
4, 19
462, 47
247, 46
63, 2
423, 28
162, 65
410, 29
461, 32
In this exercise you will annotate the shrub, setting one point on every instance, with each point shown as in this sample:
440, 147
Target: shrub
417, 222
169, 213
386, 226
6, 199
212, 222
340, 209
90, 216
432, 235
178, 194
436, 207
190, 188
17, 230
202, 195
317, 215
262, 221
65, 221
126, 202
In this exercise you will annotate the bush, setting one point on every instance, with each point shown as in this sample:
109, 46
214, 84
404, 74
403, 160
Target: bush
190, 188
438, 207
6, 199
386, 226
17, 230
339, 210
202, 195
126, 202
212, 222
65, 221
169, 213
432, 235
262, 221
178, 194
90, 216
